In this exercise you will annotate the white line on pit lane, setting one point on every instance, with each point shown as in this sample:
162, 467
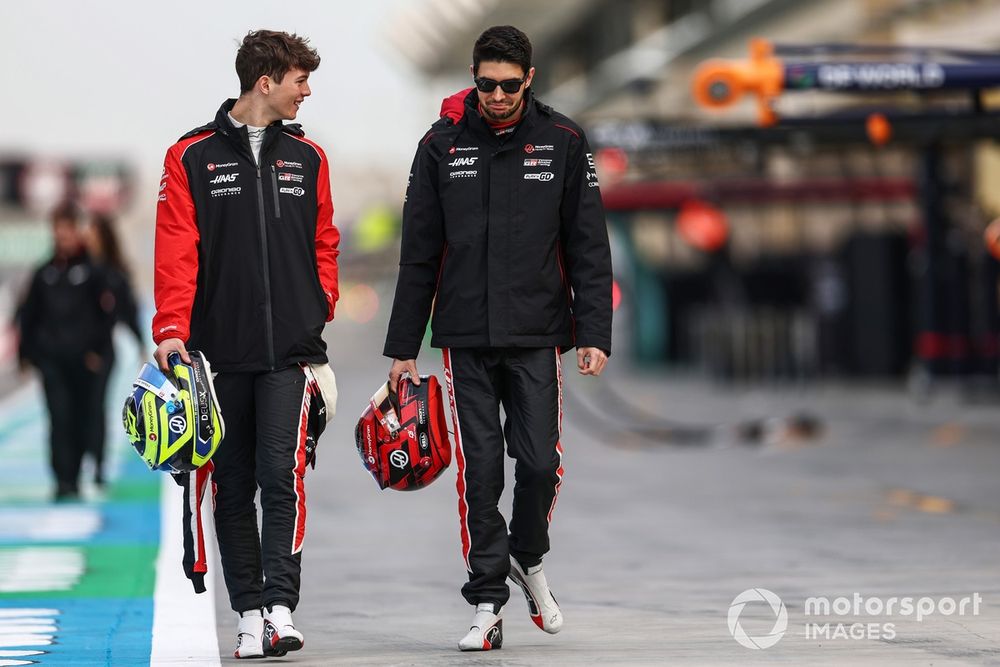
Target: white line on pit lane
53, 524
32, 569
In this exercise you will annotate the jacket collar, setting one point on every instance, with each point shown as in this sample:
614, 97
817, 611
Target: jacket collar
477, 124
238, 135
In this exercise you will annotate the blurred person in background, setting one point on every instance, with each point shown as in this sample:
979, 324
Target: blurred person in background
504, 233
246, 272
64, 322
105, 250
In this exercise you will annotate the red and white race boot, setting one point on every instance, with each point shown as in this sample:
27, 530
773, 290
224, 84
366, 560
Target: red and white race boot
249, 634
486, 632
542, 605
280, 635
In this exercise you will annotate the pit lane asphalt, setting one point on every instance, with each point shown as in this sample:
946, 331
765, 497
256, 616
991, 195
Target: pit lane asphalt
653, 539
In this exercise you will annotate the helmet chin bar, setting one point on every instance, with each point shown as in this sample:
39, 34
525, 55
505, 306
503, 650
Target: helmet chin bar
385, 405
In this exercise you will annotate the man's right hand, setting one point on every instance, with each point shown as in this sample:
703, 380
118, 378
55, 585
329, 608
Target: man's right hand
400, 366
168, 347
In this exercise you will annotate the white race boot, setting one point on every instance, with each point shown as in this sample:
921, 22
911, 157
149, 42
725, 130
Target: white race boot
280, 635
486, 632
249, 635
542, 605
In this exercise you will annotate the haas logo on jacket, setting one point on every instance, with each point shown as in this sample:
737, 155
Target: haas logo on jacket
463, 162
225, 178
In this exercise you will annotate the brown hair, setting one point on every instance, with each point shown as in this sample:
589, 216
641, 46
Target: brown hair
272, 53
110, 247
65, 212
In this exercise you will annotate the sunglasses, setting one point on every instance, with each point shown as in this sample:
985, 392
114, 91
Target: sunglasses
509, 86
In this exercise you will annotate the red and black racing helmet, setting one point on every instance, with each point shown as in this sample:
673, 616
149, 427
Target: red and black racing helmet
403, 439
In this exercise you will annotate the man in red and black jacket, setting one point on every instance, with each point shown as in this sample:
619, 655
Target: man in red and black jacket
504, 236
246, 272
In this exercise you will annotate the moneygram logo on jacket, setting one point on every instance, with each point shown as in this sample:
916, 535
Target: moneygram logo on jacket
512, 211
247, 297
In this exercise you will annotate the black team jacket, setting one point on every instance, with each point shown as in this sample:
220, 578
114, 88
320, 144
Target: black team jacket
505, 236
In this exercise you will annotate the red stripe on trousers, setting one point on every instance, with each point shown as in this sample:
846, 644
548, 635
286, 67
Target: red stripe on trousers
463, 505
299, 533
559, 472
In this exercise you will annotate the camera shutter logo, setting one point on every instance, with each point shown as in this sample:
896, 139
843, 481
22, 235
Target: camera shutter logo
780, 618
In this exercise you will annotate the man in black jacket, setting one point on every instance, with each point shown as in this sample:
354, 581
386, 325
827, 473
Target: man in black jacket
64, 325
246, 272
504, 233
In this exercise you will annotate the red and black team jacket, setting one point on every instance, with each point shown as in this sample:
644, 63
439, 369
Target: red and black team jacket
505, 237
246, 254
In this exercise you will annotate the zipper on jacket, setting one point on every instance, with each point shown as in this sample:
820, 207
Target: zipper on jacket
488, 175
274, 183
268, 326
488, 168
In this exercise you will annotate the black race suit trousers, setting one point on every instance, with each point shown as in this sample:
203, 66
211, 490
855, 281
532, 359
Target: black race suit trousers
76, 410
265, 447
527, 382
